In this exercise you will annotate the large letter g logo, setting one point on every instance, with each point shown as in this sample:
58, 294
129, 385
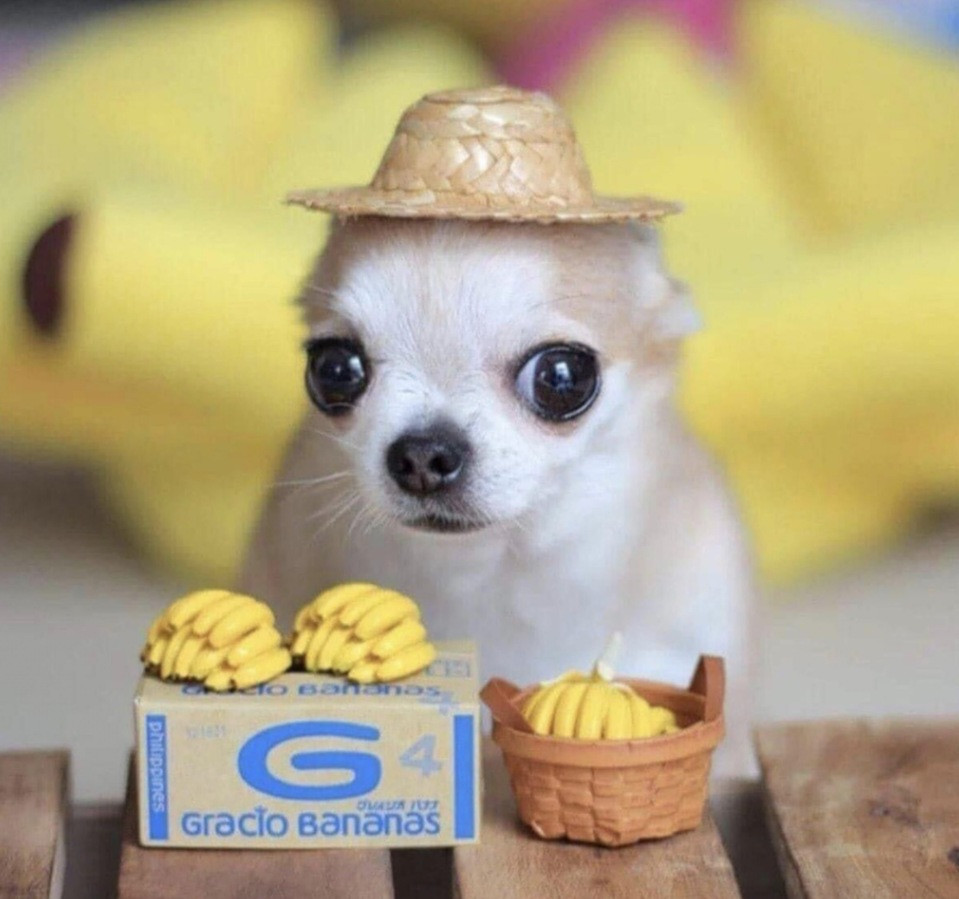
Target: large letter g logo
365, 767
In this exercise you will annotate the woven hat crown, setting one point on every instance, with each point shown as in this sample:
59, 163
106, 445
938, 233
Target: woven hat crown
496, 153
498, 145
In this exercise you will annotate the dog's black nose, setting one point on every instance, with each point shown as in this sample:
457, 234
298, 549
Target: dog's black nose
428, 461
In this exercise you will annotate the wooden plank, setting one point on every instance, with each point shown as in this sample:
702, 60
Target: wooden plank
860, 808
33, 808
512, 862
246, 874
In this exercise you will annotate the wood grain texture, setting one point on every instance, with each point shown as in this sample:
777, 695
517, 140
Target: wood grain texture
33, 808
246, 874
860, 808
511, 862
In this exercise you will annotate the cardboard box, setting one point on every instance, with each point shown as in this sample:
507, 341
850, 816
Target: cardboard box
310, 761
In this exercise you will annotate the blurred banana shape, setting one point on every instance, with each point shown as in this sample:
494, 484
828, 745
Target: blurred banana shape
363, 631
224, 640
594, 706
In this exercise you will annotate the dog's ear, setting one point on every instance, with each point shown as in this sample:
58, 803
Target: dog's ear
677, 316
663, 305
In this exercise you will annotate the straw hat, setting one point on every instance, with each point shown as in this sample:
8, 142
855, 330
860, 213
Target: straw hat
492, 153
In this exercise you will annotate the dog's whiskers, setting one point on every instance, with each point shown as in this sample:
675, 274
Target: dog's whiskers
312, 482
337, 438
345, 504
316, 289
364, 510
334, 504
356, 497
378, 520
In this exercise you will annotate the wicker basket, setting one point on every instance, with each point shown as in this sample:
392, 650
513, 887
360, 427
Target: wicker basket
614, 792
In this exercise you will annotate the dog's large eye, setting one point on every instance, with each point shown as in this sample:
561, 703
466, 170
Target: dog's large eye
336, 373
559, 381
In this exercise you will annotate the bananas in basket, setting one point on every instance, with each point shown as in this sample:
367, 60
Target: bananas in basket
224, 640
363, 631
595, 707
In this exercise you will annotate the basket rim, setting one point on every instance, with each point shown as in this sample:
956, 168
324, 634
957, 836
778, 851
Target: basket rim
697, 738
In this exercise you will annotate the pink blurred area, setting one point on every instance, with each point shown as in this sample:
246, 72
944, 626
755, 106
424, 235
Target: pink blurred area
541, 58
18, 46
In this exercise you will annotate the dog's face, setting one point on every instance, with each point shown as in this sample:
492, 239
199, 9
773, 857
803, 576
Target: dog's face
471, 369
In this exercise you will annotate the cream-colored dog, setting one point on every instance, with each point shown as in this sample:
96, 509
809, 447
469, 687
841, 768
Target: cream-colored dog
494, 433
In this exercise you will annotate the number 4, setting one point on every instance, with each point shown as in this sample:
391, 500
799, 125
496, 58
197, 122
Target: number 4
420, 755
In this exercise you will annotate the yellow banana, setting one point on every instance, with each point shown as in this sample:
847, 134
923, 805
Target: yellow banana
302, 617
641, 714
206, 661
595, 707
318, 640
240, 622
264, 667
662, 719
331, 647
299, 642
592, 711
363, 631
186, 608
172, 651
216, 611
364, 672
352, 652
567, 709
404, 634
185, 657
156, 628
252, 645
354, 610
154, 653
330, 602
618, 724
541, 707
220, 639
406, 662
385, 615
219, 680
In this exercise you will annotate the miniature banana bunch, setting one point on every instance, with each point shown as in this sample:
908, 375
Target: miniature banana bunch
226, 641
595, 707
363, 631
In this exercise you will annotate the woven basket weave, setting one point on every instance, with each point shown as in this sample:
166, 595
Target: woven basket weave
614, 792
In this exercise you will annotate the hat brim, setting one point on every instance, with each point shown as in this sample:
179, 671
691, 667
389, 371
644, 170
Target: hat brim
356, 201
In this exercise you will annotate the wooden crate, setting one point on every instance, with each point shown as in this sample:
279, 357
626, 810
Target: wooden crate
855, 808
33, 809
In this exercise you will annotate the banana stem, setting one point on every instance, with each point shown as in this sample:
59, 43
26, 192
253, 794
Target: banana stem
605, 666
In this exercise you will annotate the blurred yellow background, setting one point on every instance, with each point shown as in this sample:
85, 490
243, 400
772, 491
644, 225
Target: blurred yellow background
817, 153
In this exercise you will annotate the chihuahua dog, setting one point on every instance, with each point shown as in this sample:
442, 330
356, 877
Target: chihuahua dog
493, 433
